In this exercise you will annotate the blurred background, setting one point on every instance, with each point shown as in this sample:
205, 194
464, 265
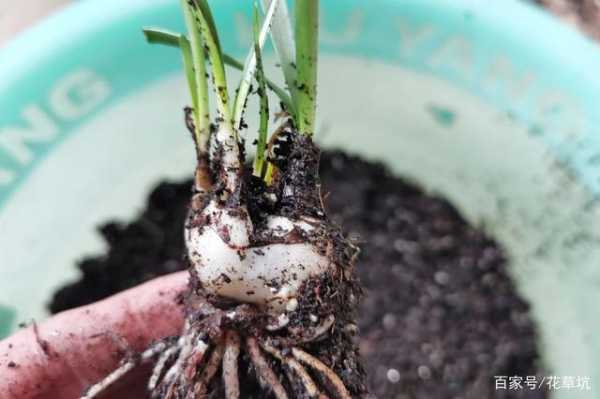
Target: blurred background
17, 15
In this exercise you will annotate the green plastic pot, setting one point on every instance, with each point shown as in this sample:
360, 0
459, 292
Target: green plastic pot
490, 104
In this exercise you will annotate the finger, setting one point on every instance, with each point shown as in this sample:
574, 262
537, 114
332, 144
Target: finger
76, 348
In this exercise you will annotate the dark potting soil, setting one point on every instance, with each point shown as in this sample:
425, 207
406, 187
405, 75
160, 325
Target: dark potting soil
440, 317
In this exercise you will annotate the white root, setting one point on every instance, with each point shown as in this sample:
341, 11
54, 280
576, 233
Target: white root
160, 367
195, 360
210, 369
125, 368
191, 372
278, 323
191, 348
230, 365
113, 377
336, 384
185, 342
316, 332
293, 366
266, 376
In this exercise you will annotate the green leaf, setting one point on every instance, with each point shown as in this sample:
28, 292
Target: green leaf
307, 35
279, 91
168, 38
161, 36
250, 64
196, 78
283, 41
188, 67
201, 105
263, 127
204, 8
201, 10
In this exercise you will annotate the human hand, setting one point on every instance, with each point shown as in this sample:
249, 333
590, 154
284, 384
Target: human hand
60, 357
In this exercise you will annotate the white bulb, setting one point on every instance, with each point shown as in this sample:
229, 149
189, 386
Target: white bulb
268, 275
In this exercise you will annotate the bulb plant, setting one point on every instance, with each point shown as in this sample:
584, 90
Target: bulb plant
272, 287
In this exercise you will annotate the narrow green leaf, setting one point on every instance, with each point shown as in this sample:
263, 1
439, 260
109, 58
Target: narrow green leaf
283, 41
201, 105
203, 6
161, 36
198, 91
188, 67
307, 35
250, 64
263, 126
168, 38
201, 10
279, 91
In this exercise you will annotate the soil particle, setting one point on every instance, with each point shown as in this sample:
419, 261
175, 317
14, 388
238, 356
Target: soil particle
440, 317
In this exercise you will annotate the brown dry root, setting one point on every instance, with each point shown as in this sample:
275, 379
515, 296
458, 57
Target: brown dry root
302, 349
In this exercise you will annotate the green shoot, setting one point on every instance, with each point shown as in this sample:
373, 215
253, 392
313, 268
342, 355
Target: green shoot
279, 91
200, 92
261, 144
250, 67
188, 66
161, 36
204, 9
211, 39
168, 38
283, 41
307, 28
196, 86
297, 54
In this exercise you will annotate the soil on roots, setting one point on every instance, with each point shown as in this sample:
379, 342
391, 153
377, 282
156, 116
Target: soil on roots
440, 317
